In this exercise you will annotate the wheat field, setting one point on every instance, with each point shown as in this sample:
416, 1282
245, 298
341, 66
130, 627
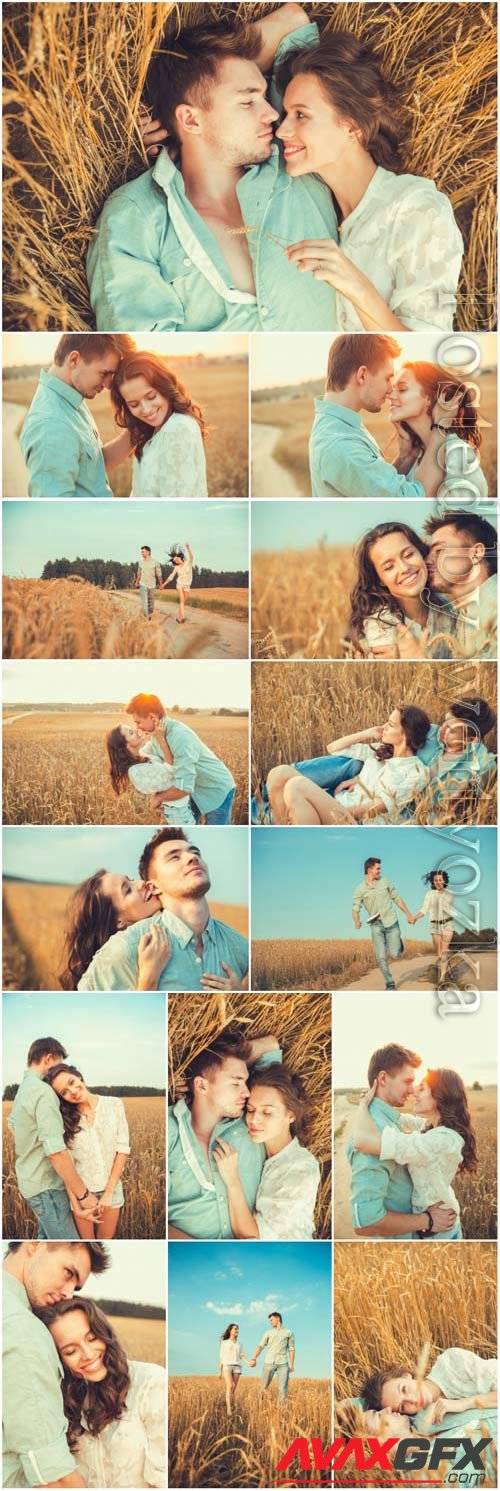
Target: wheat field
143, 1340
73, 619
56, 767
206, 1451
316, 963
143, 1215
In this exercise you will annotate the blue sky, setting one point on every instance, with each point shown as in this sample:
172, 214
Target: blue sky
301, 525
303, 878
211, 1284
362, 1024
68, 855
102, 1034
35, 532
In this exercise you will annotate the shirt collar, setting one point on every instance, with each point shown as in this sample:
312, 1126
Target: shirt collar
384, 1110
14, 1286
366, 200
181, 931
476, 596
64, 390
331, 410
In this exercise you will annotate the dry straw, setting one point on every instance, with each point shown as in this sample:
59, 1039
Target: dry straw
74, 75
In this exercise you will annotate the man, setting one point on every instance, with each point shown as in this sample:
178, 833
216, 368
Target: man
199, 245
377, 894
35, 1275
279, 1346
198, 772
455, 751
462, 563
204, 953
344, 458
44, 1167
60, 440
148, 576
213, 1108
381, 1191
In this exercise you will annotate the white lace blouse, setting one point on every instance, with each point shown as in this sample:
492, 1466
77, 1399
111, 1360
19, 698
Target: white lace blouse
285, 1201
394, 782
404, 238
439, 905
432, 1159
463, 478
131, 1450
231, 1353
95, 1145
460, 1373
173, 461
152, 776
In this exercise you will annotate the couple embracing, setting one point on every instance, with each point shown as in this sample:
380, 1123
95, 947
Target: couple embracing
167, 762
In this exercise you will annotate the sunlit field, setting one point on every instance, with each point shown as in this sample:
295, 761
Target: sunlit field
207, 1451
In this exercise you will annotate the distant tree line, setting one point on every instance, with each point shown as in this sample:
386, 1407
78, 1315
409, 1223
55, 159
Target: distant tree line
124, 1307
112, 574
119, 1091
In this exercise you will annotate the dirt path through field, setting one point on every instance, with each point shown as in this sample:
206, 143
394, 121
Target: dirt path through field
344, 1120
208, 634
15, 475
10, 719
410, 973
269, 477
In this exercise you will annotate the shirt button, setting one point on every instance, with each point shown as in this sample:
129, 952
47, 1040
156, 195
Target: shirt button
186, 261
197, 960
264, 310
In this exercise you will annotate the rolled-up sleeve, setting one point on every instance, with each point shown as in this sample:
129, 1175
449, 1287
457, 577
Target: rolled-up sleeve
357, 900
33, 1418
122, 1131
369, 1186
362, 473
49, 1123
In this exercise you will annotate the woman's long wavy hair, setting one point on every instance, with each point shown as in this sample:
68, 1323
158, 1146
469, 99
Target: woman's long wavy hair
226, 1334
121, 758
430, 877
93, 919
415, 724
356, 87
440, 388
450, 1097
69, 1111
149, 365
290, 1088
101, 1402
369, 595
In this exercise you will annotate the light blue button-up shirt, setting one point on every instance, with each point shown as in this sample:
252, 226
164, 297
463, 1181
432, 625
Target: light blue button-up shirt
37, 1125
472, 763
197, 769
35, 1447
154, 265
278, 1342
197, 1201
377, 899
61, 444
115, 965
345, 460
378, 1186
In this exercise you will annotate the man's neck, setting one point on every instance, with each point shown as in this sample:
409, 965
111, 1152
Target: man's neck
37, 1071
463, 589
195, 913
208, 181
56, 372
204, 1118
349, 398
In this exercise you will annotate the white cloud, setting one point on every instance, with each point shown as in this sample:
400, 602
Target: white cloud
224, 1309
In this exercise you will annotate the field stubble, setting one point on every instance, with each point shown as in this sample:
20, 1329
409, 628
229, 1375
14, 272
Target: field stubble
206, 1451
71, 618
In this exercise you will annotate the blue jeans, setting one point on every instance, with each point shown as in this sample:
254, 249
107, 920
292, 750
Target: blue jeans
387, 943
282, 1375
147, 600
54, 1215
324, 771
223, 813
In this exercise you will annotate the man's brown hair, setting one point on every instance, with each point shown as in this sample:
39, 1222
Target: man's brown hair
93, 344
145, 703
185, 68
99, 1257
161, 837
352, 351
213, 1057
390, 1059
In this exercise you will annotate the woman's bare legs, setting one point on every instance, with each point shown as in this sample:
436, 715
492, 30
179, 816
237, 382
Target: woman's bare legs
85, 1228
306, 803
182, 600
230, 1386
106, 1228
443, 944
276, 782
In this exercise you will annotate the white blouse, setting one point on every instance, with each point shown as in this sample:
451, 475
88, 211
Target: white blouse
461, 1374
394, 781
173, 461
404, 238
463, 478
285, 1201
231, 1353
95, 1145
439, 905
152, 775
432, 1159
131, 1450
184, 573
381, 630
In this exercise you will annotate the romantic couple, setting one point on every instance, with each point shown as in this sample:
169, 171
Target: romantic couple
279, 1346
163, 430
235, 1164
149, 576
403, 1165
76, 1410
433, 413
167, 762
458, 1396
385, 773
216, 234
377, 896
152, 933
71, 1147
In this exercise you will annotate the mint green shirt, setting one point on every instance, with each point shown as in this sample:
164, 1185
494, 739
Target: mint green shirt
61, 444
345, 460
197, 769
154, 265
35, 1448
279, 1341
470, 765
378, 1186
476, 621
36, 1121
377, 899
115, 966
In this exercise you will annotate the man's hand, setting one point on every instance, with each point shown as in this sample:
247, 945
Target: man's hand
441, 1407
153, 954
230, 980
253, 1362
410, 918
443, 1217
356, 919
153, 134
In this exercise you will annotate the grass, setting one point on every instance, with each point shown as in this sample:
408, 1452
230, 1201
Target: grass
230, 600
75, 75
297, 709
143, 1340
324, 963
301, 1024
406, 1302
143, 1214
73, 619
56, 767
207, 1451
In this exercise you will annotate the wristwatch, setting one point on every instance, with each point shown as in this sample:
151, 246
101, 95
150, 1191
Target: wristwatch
427, 1230
85, 1193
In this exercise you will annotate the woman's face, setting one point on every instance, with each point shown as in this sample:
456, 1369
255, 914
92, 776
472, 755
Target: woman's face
405, 1395
312, 131
425, 1105
69, 1087
234, 1332
399, 565
392, 732
439, 882
384, 1422
132, 899
267, 1117
79, 1349
145, 402
407, 399
133, 737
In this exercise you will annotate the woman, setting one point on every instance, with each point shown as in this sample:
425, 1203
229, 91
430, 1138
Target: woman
285, 1201
438, 904
182, 573
420, 394
96, 1132
459, 1382
230, 1359
394, 611
390, 776
130, 760
102, 905
167, 430
435, 1144
397, 264
115, 1408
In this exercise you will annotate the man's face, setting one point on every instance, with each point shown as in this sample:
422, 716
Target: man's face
455, 734
396, 1087
178, 871
452, 558
237, 122
275, 1321
376, 387
53, 1271
404, 1394
227, 1087
146, 722
89, 378
146, 553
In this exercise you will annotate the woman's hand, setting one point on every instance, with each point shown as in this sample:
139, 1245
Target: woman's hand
226, 1159
180, 1087
154, 952
445, 411
153, 134
228, 980
408, 645
367, 1097
440, 1408
105, 1201
323, 258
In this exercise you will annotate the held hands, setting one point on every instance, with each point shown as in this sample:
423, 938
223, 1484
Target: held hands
226, 1159
230, 980
153, 954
